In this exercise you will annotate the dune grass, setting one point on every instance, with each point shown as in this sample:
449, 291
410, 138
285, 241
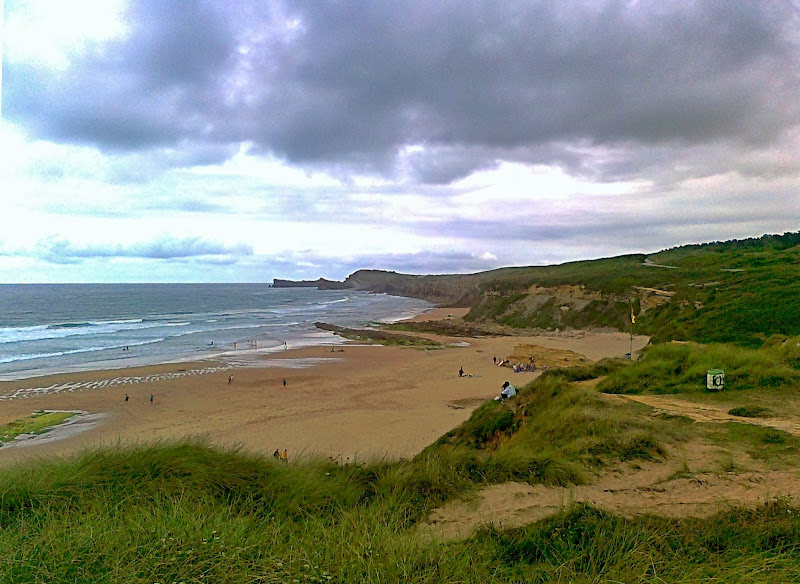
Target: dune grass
586, 545
774, 447
190, 512
682, 368
556, 432
751, 412
187, 512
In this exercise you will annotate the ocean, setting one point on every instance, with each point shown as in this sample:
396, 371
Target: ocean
61, 328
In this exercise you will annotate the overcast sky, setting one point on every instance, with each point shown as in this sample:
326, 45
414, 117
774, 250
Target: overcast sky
242, 140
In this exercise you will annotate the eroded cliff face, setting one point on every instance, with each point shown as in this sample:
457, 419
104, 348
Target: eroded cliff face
565, 306
516, 306
501, 298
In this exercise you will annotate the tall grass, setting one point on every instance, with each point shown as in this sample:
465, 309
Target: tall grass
555, 432
677, 368
586, 545
190, 513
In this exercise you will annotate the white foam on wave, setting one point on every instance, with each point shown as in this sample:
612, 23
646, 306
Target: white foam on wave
94, 349
66, 330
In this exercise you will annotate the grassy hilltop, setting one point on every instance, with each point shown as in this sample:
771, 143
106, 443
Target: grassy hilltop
736, 291
614, 442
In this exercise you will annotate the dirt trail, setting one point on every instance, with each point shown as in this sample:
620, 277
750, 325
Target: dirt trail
706, 413
696, 480
646, 492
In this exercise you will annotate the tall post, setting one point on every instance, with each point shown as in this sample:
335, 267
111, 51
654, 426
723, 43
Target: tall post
631, 349
632, 321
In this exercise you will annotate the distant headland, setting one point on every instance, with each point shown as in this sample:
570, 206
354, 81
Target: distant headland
320, 283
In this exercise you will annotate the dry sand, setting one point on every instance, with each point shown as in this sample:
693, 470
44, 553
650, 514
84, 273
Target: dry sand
359, 403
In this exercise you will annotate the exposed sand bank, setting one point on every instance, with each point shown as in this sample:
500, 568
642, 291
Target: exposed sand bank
354, 402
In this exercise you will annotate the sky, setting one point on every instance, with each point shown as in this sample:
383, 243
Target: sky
244, 140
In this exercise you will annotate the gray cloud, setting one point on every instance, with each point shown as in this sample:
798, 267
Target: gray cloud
156, 87
61, 251
352, 83
312, 265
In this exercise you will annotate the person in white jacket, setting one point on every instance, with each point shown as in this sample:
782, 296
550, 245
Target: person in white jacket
508, 391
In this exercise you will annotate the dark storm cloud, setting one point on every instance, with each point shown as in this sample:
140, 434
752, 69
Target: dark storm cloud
158, 86
327, 83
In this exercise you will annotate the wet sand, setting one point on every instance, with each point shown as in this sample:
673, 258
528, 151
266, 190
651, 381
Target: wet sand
357, 402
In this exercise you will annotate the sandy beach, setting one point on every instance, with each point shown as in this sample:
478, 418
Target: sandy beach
357, 402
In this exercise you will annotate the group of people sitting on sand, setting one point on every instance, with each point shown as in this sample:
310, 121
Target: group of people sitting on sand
517, 367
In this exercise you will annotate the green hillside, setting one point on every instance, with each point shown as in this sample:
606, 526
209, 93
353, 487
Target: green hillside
735, 291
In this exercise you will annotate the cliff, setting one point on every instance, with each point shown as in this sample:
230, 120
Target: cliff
735, 291
448, 290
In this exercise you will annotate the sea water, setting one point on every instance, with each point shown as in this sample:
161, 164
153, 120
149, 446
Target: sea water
61, 328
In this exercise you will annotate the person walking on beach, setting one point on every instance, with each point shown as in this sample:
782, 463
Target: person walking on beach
230, 379
285, 456
277, 454
127, 397
461, 372
152, 397
284, 382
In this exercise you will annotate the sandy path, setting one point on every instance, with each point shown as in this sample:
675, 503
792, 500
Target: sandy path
364, 402
648, 490
693, 482
707, 413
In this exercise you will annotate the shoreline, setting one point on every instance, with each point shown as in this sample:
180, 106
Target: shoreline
229, 358
191, 344
359, 402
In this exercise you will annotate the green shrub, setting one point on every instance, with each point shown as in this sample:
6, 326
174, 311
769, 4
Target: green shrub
750, 412
584, 544
488, 424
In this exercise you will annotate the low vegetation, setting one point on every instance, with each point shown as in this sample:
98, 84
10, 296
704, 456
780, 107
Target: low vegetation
682, 367
187, 512
587, 545
37, 423
751, 412
556, 433
378, 336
